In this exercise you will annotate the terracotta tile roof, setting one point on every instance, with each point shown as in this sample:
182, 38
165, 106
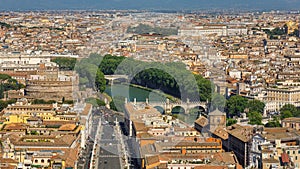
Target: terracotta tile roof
292, 119
150, 160
71, 156
243, 133
86, 109
202, 121
8, 167
190, 143
33, 106
225, 157
170, 156
221, 132
37, 137
210, 167
270, 160
59, 123
144, 135
139, 126
63, 141
180, 143
280, 133
15, 126
184, 129
67, 139
139, 113
8, 160
67, 127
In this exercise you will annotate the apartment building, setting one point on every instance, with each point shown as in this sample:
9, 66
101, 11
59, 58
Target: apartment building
282, 96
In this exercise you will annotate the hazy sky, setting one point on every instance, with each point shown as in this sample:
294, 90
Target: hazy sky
150, 4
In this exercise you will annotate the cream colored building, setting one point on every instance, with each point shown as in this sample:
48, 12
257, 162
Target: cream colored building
282, 96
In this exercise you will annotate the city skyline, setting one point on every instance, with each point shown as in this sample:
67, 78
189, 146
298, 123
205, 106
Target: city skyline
165, 87
150, 5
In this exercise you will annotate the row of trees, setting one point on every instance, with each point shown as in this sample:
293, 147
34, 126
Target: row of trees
278, 31
65, 63
95, 102
3, 24
4, 104
8, 83
171, 78
236, 105
87, 69
286, 111
145, 29
289, 110
42, 101
117, 104
174, 79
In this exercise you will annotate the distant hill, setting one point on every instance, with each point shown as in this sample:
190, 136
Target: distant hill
150, 4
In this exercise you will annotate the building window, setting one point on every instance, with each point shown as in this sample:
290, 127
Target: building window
42, 161
36, 161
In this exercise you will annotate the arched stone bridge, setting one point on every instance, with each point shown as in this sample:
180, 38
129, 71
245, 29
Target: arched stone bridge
169, 106
111, 78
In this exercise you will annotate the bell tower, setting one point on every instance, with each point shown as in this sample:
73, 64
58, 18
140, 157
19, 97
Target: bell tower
217, 119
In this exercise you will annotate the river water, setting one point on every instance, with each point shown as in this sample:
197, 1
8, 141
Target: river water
131, 92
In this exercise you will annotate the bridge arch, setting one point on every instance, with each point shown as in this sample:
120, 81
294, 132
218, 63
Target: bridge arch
178, 110
160, 109
111, 78
198, 111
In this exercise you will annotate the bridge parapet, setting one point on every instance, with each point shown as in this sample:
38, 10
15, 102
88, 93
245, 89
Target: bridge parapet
168, 106
111, 78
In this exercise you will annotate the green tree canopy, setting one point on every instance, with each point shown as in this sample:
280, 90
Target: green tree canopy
65, 63
145, 29
3, 24
41, 101
255, 118
236, 105
230, 121
278, 31
117, 103
256, 106
100, 82
95, 102
171, 78
4, 104
286, 114
273, 123
218, 101
290, 108
8, 83
4, 77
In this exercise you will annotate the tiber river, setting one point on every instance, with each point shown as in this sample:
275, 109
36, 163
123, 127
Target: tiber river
140, 94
